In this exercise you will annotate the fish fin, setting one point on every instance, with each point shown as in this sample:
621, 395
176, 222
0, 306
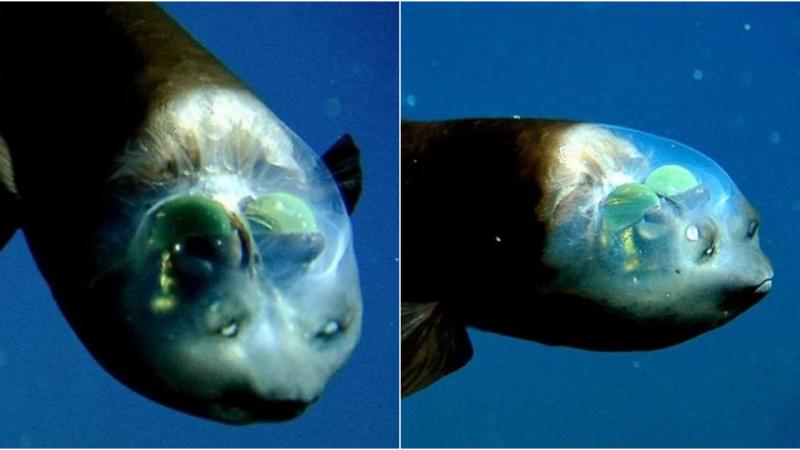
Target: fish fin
343, 159
433, 345
9, 201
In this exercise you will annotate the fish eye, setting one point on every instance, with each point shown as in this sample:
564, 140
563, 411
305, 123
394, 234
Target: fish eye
703, 239
331, 330
226, 318
752, 229
230, 330
692, 233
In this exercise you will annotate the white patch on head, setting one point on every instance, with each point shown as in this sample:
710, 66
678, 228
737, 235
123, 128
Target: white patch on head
208, 133
227, 189
592, 161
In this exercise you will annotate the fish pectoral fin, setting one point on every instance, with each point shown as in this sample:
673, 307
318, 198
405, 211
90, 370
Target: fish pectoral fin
9, 201
343, 159
433, 345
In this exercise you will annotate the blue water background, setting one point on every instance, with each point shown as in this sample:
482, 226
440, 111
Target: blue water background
723, 78
325, 69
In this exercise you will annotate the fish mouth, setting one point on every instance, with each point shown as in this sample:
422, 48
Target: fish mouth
243, 411
741, 300
763, 288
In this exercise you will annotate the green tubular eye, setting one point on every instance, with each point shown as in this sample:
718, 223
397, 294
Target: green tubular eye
281, 213
671, 180
190, 215
627, 204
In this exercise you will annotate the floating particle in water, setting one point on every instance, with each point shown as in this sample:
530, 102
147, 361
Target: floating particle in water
698, 74
747, 27
411, 100
774, 138
636, 364
333, 107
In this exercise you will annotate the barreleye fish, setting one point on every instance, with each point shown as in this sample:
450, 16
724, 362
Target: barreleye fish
590, 236
199, 249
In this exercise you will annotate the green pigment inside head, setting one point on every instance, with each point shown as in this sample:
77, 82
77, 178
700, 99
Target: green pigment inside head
671, 180
281, 213
627, 205
189, 215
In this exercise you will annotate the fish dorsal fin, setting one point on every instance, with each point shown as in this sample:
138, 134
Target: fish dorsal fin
433, 345
343, 159
9, 202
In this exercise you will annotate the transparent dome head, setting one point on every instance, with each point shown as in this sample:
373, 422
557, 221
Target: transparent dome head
650, 227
